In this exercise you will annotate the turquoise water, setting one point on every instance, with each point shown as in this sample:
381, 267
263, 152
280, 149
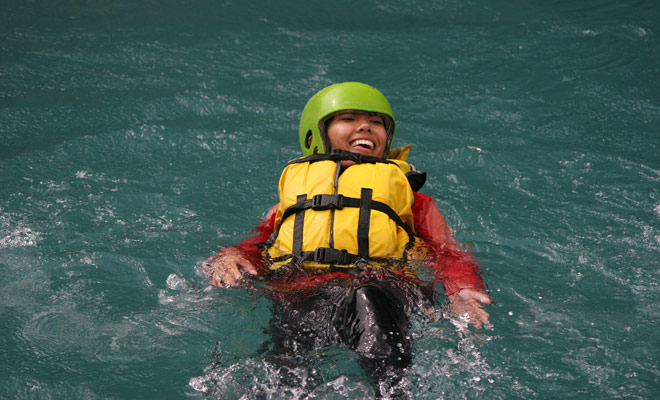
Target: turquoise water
138, 137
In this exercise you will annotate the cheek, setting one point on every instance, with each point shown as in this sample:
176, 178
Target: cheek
336, 136
382, 141
382, 135
333, 139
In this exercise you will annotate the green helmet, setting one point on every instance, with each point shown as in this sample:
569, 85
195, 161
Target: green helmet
339, 97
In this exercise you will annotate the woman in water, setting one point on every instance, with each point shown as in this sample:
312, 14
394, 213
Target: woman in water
337, 249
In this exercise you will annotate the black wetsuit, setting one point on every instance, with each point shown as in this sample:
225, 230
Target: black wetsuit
368, 313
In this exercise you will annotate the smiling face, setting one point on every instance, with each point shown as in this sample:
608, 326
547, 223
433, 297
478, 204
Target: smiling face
358, 132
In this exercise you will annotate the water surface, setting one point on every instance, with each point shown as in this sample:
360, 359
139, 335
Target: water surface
136, 139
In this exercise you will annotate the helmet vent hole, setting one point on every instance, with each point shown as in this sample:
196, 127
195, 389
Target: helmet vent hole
308, 139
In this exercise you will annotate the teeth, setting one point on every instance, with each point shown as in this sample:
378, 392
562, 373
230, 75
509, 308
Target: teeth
363, 142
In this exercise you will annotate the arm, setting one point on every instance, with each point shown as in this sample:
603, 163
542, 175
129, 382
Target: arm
455, 268
229, 265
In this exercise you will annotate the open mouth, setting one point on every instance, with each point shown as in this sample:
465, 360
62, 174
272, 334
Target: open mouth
366, 144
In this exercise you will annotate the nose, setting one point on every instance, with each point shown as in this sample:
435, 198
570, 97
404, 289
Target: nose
364, 125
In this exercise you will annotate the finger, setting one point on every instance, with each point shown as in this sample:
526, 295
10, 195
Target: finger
482, 298
216, 280
243, 265
233, 273
479, 317
228, 278
249, 268
223, 277
228, 271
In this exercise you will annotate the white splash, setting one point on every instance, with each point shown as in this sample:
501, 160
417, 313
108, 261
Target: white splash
20, 237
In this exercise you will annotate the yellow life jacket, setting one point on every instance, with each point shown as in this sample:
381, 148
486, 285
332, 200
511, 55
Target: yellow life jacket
328, 218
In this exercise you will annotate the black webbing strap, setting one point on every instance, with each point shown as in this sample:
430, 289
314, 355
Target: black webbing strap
318, 202
328, 255
384, 208
341, 155
325, 255
298, 225
337, 201
364, 220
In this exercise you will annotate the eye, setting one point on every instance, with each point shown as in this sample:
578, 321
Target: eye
377, 121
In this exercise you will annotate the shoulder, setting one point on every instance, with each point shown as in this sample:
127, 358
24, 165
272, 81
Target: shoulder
423, 201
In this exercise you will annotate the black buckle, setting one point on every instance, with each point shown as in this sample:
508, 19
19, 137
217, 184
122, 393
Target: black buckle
327, 202
330, 256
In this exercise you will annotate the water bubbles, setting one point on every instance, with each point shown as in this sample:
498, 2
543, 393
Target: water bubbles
164, 298
82, 174
451, 362
197, 383
251, 378
20, 237
637, 30
175, 282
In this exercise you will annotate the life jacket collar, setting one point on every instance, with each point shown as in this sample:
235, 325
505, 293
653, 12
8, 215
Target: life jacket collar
341, 155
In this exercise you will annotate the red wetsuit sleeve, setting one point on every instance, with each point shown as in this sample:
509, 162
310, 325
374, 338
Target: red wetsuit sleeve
454, 267
249, 248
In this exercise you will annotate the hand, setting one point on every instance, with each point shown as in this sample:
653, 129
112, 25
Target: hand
471, 302
228, 269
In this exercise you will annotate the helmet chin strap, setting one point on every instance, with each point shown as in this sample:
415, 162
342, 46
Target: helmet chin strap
387, 146
324, 136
